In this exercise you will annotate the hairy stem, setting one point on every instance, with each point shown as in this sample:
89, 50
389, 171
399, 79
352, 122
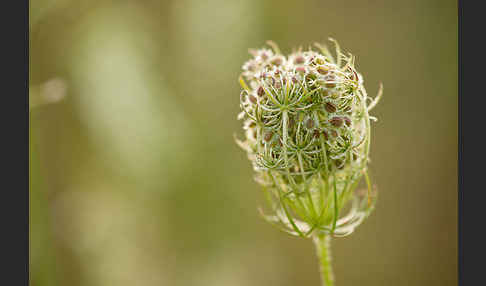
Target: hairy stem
323, 249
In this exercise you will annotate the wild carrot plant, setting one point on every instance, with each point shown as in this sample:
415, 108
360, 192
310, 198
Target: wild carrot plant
307, 134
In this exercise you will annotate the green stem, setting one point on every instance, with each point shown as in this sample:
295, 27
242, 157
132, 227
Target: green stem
323, 249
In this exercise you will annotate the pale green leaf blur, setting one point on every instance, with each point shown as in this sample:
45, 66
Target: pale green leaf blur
135, 176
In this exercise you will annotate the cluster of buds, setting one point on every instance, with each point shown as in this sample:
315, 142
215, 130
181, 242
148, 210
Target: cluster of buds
307, 134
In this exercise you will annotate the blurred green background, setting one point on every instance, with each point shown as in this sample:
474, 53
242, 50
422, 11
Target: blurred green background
135, 177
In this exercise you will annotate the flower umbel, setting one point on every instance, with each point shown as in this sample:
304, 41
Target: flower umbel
307, 133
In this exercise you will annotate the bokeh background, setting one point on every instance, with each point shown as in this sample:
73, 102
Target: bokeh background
135, 178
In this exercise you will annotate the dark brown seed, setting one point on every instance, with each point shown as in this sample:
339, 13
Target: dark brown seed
309, 124
330, 85
294, 80
334, 133
331, 108
254, 134
316, 133
322, 70
325, 134
347, 121
253, 99
268, 136
260, 91
336, 121
252, 124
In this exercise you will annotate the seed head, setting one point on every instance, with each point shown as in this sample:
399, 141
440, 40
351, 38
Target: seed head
293, 100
